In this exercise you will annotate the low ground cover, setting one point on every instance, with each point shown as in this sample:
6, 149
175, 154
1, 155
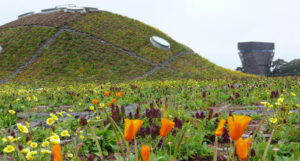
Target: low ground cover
176, 120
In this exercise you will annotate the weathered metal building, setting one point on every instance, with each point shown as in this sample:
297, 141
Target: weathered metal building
256, 57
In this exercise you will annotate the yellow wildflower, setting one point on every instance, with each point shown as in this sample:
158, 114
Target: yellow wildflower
25, 150
54, 117
92, 108
293, 94
290, 112
81, 137
27, 124
280, 100
65, 133
29, 98
44, 151
70, 155
8, 149
273, 120
34, 98
101, 105
12, 112
29, 142
59, 114
54, 139
33, 144
45, 144
22, 128
50, 121
70, 110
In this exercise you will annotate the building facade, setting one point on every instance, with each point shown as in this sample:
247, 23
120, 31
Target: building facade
256, 57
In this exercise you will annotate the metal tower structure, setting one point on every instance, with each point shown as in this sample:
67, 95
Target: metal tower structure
256, 57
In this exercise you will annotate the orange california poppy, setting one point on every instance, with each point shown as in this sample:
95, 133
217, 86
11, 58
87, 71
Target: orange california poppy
118, 94
220, 127
242, 147
95, 101
145, 152
166, 127
108, 104
113, 101
106, 93
237, 126
131, 128
121, 93
56, 153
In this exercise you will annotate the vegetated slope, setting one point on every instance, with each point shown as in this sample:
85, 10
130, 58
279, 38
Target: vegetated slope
19, 44
74, 57
99, 46
127, 33
193, 66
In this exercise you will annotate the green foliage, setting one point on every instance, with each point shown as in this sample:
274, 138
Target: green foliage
19, 44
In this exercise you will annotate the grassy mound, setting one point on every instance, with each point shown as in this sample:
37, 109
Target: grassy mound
93, 47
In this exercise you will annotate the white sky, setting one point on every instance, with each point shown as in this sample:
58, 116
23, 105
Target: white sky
211, 28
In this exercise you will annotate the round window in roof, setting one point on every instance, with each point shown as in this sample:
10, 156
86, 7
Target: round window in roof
160, 42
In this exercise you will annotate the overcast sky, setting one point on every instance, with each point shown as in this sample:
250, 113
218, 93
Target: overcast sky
211, 28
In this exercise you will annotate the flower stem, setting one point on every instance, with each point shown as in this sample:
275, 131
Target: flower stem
216, 149
177, 148
97, 143
136, 150
267, 147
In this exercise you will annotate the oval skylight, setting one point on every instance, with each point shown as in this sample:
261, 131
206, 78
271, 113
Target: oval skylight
160, 42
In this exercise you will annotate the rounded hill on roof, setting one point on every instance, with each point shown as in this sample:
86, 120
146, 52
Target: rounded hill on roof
95, 46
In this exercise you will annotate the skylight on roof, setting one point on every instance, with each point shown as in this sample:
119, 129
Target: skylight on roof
160, 42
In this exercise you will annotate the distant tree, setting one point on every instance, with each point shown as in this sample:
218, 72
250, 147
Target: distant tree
281, 68
276, 66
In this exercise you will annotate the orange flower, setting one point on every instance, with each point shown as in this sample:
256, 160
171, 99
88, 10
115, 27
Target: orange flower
106, 93
131, 128
108, 104
237, 126
95, 101
242, 147
113, 101
166, 127
145, 152
220, 127
121, 93
56, 153
118, 94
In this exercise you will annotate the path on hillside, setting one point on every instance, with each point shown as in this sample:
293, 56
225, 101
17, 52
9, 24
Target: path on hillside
64, 28
163, 65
